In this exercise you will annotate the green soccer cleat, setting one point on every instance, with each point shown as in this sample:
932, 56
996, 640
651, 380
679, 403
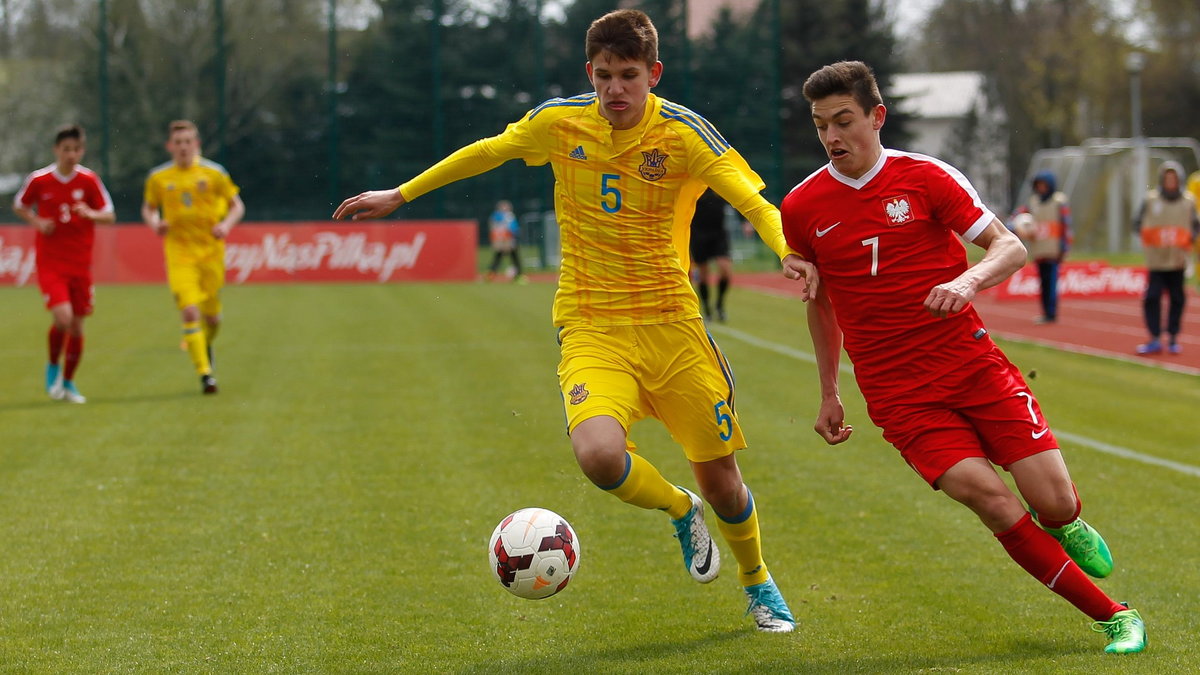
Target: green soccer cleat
767, 606
700, 555
1085, 546
1126, 631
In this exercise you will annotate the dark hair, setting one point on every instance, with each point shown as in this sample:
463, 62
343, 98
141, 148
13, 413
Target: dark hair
626, 34
845, 77
69, 131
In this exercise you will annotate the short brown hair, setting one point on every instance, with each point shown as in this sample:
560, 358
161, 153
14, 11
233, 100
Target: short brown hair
626, 34
845, 77
69, 131
182, 125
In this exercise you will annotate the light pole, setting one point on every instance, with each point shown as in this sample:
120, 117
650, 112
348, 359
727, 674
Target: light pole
1134, 63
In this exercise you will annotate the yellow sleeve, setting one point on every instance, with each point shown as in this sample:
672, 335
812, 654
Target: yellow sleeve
150, 195
519, 141
739, 185
767, 222
228, 187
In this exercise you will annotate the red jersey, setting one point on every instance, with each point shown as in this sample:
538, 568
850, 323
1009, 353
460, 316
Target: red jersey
51, 195
881, 243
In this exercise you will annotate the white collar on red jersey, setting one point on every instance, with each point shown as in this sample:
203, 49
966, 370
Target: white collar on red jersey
860, 182
64, 178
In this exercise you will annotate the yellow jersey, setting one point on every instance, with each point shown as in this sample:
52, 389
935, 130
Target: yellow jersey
193, 200
624, 200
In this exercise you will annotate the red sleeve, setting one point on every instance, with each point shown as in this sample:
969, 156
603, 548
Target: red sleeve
956, 203
793, 227
28, 194
97, 195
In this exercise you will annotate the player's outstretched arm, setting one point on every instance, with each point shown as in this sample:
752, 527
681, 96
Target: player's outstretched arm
797, 268
372, 204
1005, 255
827, 344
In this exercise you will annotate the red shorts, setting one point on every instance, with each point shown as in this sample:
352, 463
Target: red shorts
988, 413
59, 287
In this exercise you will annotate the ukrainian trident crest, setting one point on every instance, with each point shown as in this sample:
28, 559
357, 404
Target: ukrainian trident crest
652, 165
579, 393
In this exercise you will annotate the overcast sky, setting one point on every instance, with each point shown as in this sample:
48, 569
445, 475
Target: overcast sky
909, 13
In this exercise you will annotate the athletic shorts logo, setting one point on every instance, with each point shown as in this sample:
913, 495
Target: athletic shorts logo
652, 167
1033, 416
579, 393
899, 210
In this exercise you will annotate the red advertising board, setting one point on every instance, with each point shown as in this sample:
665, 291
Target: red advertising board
272, 252
1076, 280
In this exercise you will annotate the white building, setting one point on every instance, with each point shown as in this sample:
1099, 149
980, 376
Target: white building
954, 118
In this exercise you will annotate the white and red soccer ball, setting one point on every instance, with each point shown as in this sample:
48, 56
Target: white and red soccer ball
533, 553
1024, 225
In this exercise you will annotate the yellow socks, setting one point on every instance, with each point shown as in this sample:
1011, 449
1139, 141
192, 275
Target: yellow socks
741, 533
197, 347
642, 485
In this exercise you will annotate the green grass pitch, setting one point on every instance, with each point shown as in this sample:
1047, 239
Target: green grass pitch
329, 510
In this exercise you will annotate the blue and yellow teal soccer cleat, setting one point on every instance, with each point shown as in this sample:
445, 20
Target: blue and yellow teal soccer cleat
767, 606
54, 381
701, 556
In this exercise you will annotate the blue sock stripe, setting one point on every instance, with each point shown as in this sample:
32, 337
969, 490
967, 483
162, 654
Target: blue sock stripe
744, 515
628, 466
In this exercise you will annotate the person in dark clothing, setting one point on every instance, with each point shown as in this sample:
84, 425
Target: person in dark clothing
710, 243
1048, 240
1167, 224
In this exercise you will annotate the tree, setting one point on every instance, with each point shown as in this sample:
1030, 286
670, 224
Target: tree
1171, 81
818, 33
1058, 71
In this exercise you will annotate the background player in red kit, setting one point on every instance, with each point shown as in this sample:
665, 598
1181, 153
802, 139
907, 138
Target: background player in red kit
64, 201
883, 228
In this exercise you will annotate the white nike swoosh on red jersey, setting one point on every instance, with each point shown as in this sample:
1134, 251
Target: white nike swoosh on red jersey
822, 233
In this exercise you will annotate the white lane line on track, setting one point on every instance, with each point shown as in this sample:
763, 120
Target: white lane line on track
1101, 446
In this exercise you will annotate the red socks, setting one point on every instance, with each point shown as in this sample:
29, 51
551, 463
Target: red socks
1039, 554
74, 353
56, 339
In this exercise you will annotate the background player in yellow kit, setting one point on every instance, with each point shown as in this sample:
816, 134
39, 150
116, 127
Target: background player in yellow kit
628, 168
193, 204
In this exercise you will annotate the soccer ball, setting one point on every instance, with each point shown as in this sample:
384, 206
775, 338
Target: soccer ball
533, 553
1024, 225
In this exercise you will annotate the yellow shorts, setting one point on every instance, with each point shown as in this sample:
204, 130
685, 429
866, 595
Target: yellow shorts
673, 372
197, 282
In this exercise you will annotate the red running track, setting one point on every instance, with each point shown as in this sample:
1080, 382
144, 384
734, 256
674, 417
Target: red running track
1108, 327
